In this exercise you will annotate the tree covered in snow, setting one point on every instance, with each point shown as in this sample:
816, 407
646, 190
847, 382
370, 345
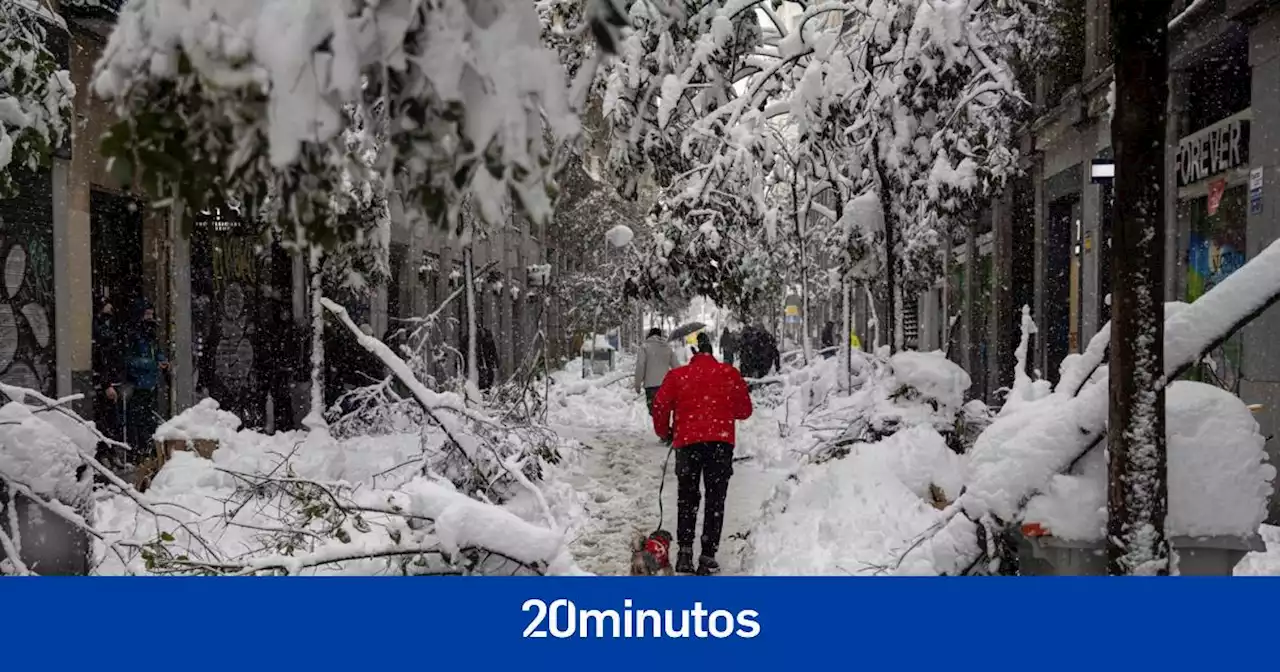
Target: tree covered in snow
914, 101
35, 94
227, 100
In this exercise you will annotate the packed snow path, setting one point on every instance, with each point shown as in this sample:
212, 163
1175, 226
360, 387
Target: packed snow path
620, 476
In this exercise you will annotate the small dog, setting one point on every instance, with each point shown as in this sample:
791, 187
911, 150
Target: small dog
651, 555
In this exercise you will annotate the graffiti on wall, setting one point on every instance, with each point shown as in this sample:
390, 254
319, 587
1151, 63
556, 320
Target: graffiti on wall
224, 280
27, 343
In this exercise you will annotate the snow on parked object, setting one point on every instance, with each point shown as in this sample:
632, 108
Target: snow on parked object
1263, 563
37, 455
932, 375
206, 420
1219, 481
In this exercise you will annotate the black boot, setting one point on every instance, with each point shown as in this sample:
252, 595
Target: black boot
684, 561
707, 566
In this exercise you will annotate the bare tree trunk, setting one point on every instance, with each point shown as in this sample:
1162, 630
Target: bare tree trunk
469, 271
1137, 496
846, 341
315, 421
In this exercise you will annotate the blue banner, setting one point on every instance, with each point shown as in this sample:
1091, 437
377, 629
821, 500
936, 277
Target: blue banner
706, 625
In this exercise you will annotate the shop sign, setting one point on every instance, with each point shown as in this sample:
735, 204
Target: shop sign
1255, 191
1214, 150
1216, 189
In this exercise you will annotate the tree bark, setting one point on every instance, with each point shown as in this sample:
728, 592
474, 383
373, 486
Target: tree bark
1137, 494
315, 421
469, 273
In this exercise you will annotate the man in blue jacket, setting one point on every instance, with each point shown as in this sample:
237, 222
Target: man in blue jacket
144, 360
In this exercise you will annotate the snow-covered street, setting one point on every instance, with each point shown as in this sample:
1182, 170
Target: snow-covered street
622, 469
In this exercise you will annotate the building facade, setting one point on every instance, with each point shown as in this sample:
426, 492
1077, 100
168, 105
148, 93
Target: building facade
1052, 230
76, 238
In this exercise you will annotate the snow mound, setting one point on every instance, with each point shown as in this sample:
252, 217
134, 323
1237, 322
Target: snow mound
1219, 481
858, 514
38, 455
205, 420
620, 235
933, 376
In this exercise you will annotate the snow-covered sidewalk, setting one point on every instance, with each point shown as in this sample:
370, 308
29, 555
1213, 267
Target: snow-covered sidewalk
621, 472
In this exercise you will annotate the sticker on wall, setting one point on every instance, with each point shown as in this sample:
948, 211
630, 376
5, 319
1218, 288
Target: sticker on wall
1216, 189
1255, 191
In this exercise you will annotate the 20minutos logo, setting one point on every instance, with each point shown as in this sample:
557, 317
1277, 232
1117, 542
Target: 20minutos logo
563, 619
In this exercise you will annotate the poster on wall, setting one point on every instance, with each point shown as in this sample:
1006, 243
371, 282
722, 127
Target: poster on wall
1255, 191
1216, 189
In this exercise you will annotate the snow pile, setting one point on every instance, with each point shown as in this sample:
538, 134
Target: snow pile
39, 456
205, 420
361, 505
607, 402
874, 466
857, 515
933, 376
620, 235
1263, 563
1219, 481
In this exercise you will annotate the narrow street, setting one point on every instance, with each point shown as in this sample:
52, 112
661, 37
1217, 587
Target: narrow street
623, 472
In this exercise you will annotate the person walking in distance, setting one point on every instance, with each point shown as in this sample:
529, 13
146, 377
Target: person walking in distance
108, 379
706, 397
653, 362
146, 360
728, 345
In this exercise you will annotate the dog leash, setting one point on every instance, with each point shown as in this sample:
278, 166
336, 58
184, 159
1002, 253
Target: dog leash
663, 483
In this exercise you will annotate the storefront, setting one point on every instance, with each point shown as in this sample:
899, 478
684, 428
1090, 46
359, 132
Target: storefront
1212, 170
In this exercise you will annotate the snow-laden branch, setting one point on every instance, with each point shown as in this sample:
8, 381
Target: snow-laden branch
1017, 455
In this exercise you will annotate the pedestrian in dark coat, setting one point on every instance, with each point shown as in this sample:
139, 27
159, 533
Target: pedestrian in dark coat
706, 398
145, 363
728, 346
829, 339
109, 342
759, 352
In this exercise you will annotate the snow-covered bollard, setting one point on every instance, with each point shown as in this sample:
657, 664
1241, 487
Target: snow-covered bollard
1219, 484
45, 493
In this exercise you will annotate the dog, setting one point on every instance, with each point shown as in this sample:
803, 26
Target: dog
651, 555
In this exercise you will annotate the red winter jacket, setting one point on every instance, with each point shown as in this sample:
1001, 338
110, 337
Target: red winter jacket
706, 398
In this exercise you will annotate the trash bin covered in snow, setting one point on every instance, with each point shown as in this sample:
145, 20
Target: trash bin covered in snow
43, 476
1219, 484
599, 360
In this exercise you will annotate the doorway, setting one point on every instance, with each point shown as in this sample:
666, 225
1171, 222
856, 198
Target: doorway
115, 235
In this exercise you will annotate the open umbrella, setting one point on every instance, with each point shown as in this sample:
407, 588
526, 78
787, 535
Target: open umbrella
685, 329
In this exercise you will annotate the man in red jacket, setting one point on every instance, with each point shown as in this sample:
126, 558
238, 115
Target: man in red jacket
706, 398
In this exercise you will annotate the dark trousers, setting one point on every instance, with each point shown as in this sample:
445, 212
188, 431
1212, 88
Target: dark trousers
142, 423
106, 415
108, 418
708, 465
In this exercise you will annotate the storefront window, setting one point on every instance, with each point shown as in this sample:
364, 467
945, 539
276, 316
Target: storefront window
1216, 248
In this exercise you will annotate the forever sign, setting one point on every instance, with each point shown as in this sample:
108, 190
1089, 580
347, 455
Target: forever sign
1216, 149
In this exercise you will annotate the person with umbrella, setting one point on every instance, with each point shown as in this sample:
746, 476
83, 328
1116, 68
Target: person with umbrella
653, 362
